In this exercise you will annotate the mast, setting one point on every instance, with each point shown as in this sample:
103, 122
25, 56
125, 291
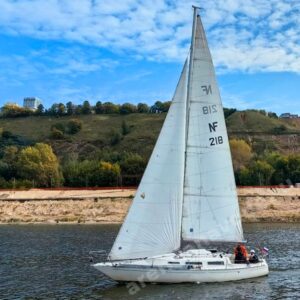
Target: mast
195, 8
190, 71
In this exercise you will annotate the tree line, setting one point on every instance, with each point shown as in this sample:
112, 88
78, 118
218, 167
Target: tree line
10, 110
38, 166
266, 168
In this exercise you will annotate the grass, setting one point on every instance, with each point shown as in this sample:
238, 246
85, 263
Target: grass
144, 129
251, 121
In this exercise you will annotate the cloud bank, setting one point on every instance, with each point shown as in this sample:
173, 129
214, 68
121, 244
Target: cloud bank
244, 35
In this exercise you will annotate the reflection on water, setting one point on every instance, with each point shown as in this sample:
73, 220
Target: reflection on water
52, 262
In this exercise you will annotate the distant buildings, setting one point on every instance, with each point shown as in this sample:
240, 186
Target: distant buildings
32, 102
288, 116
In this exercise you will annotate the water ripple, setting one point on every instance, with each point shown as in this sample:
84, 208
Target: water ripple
51, 262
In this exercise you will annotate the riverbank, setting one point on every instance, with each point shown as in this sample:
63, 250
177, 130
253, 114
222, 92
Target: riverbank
111, 205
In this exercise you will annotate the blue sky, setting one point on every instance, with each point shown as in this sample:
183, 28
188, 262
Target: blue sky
129, 50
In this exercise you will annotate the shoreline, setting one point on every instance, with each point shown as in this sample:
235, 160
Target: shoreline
110, 206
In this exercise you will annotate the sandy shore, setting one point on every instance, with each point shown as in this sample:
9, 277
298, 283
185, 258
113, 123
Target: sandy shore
111, 205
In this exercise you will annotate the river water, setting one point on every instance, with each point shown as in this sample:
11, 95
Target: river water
52, 262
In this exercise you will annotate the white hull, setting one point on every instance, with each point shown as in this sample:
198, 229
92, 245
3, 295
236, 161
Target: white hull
160, 270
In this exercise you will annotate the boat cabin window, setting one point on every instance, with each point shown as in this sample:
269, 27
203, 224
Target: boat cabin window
174, 262
193, 263
215, 262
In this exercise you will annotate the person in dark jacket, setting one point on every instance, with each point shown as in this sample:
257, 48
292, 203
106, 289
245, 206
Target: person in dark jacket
253, 257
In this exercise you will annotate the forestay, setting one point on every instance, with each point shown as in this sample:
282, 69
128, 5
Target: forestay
210, 205
153, 224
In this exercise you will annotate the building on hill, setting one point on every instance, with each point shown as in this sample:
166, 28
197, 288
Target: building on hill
288, 116
32, 102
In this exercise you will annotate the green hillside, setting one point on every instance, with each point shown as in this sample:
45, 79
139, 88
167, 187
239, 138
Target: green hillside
97, 131
254, 122
113, 149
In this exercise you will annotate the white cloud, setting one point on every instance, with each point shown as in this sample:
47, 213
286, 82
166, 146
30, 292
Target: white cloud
245, 35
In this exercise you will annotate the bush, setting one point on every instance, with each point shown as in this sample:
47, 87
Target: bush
7, 134
228, 112
125, 128
58, 126
74, 126
56, 134
11, 110
115, 138
279, 129
132, 166
91, 173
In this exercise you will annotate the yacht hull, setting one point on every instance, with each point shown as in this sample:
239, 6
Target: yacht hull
179, 276
191, 266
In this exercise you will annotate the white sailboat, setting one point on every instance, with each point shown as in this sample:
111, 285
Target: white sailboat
187, 194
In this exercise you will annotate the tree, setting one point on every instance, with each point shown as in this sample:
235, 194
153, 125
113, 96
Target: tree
91, 173
127, 108
294, 168
133, 167
110, 108
272, 115
78, 110
53, 109
78, 174
8, 163
61, 109
74, 126
258, 173
287, 168
142, 108
107, 174
241, 153
86, 108
40, 110
228, 112
70, 108
99, 108
165, 106
158, 105
39, 164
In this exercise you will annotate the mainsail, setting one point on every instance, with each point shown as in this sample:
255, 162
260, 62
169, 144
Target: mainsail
210, 204
152, 226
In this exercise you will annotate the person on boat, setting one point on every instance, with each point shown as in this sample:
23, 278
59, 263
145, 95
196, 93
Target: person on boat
253, 257
241, 255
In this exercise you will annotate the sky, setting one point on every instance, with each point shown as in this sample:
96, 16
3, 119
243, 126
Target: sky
133, 51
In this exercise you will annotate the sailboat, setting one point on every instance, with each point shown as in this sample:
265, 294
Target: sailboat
187, 198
